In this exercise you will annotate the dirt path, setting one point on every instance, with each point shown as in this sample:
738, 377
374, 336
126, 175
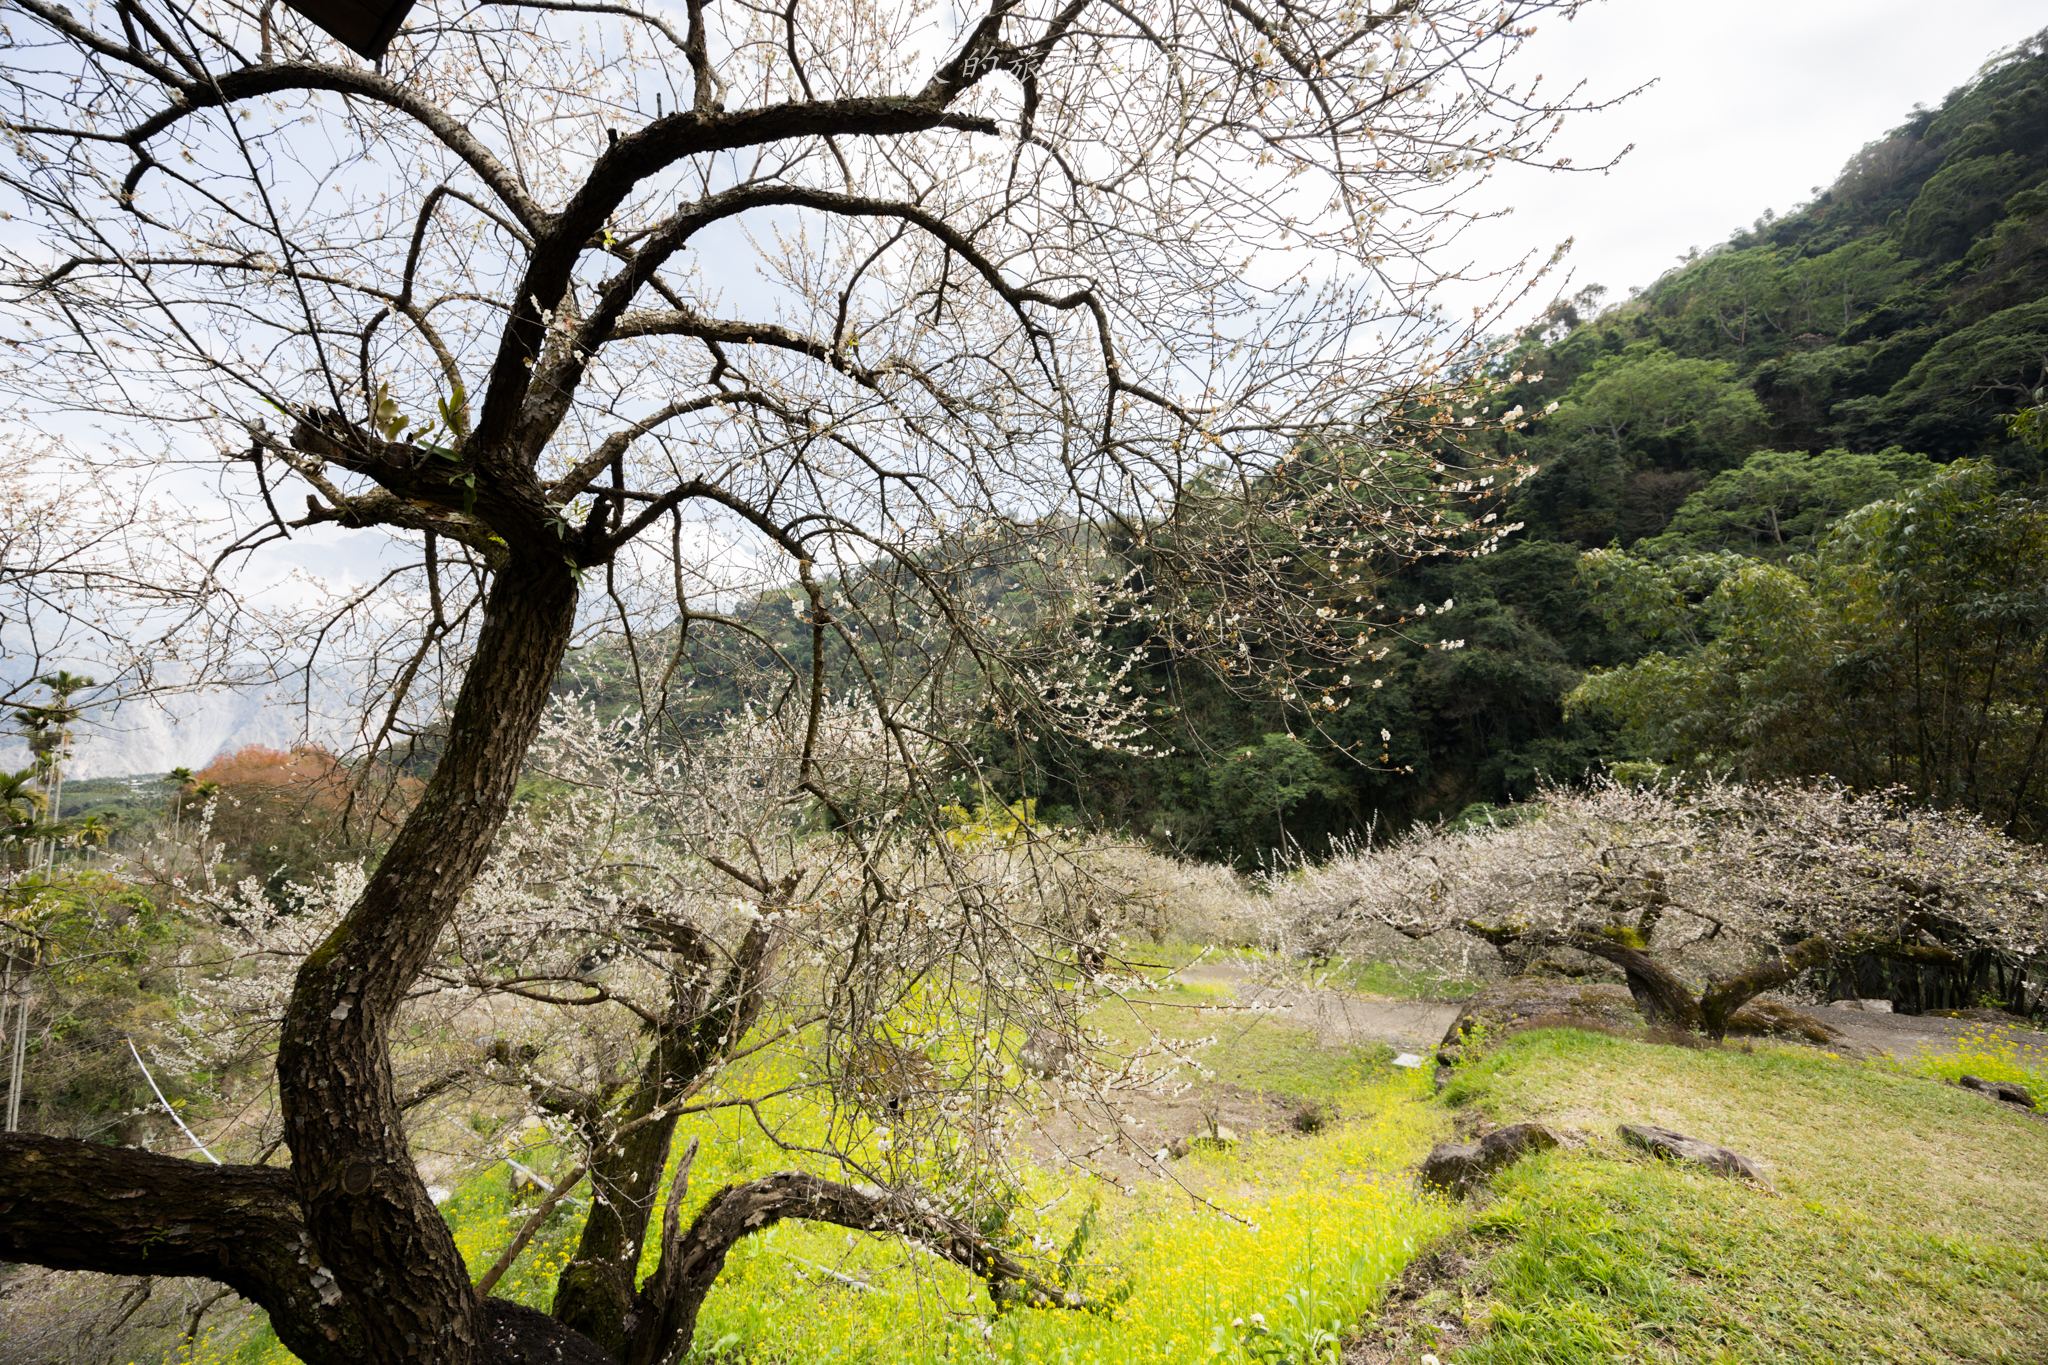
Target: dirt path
1127, 1137
1906, 1036
1334, 1016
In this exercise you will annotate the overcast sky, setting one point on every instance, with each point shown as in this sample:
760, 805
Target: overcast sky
1756, 102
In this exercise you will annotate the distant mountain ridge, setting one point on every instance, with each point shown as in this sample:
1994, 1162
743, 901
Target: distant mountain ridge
186, 730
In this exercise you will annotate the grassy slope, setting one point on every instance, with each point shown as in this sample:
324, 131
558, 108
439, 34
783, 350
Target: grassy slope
1906, 1222
1904, 1225
1269, 1251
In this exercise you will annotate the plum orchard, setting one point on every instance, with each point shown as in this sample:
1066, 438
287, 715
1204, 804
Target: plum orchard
1706, 897
588, 312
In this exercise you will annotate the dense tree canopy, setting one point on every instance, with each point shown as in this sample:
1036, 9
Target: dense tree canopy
1741, 405
1910, 649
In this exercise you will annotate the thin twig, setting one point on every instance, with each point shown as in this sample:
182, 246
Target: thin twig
526, 1231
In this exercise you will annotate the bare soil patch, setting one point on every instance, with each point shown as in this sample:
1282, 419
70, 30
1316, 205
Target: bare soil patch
1337, 1017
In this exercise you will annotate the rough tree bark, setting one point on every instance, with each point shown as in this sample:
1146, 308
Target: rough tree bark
1660, 994
691, 1260
707, 1014
345, 1249
1724, 996
83, 1206
367, 1209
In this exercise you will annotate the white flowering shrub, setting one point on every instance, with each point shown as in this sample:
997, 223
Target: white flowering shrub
641, 891
1703, 896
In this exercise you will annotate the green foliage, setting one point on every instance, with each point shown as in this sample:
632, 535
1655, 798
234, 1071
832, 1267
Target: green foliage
1777, 503
1912, 648
1263, 791
1629, 437
1933, 239
1651, 402
119, 802
103, 971
1481, 723
1958, 202
1947, 400
1734, 410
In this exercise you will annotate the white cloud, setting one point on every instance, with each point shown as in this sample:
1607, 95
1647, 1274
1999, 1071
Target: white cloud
1756, 103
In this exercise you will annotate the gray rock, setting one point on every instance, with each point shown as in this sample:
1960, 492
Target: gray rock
1457, 1168
2009, 1092
1863, 1006
1678, 1147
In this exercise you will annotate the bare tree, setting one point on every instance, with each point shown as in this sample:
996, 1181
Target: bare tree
632, 925
94, 564
584, 310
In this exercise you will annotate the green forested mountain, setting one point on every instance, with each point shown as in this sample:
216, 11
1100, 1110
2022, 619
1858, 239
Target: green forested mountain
1905, 306
1730, 413
1725, 420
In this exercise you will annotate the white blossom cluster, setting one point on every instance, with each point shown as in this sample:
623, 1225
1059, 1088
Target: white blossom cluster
1709, 876
918, 970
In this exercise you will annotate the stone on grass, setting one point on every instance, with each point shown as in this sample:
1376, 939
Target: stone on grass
1678, 1147
1457, 1168
1863, 1006
2010, 1092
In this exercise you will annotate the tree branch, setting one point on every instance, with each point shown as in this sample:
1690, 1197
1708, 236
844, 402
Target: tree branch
692, 1263
72, 1205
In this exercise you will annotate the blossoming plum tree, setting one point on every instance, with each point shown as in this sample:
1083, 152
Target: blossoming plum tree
1704, 898
590, 311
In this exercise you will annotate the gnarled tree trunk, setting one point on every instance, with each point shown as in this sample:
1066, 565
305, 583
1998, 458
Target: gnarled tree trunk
367, 1210
705, 1018
1661, 996
345, 1249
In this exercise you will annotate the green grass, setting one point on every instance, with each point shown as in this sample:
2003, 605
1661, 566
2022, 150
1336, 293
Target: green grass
1268, 1251
1395, 981
1303, 1233
1249, 1050
1989, 1053
1904, 1223
1387, 980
